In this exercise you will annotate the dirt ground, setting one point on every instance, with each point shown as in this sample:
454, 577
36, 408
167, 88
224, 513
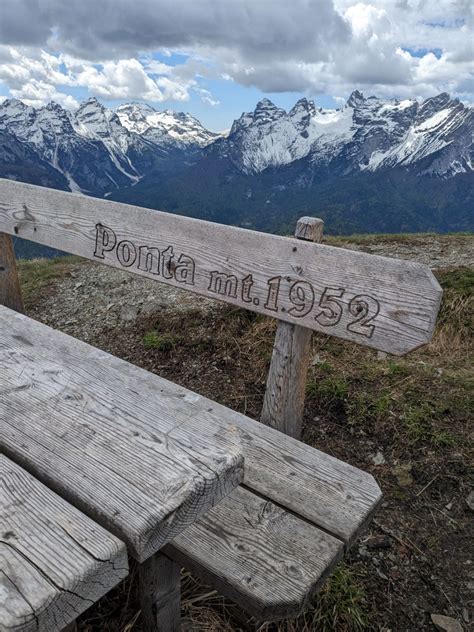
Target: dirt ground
406, 420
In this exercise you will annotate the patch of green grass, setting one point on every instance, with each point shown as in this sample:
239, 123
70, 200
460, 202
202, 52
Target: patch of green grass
417, 422
396, 368
381, 405
456, 316
420, 423
325, 367
35, 274
460, 281
362, 406
443, 439
341, 604
329, 388
160, 342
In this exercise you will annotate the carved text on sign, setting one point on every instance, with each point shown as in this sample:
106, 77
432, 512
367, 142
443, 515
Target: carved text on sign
164, 263
298, 298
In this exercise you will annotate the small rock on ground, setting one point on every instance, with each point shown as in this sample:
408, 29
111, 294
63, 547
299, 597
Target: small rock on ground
470, 501
446, 624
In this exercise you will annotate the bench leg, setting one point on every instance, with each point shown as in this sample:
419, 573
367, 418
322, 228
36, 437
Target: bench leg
160, 594
10, 291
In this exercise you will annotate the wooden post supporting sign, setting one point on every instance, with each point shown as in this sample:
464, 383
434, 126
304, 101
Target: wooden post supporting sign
284, 396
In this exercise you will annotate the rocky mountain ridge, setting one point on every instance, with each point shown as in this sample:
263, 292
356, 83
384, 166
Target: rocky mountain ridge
97, 149
433, 137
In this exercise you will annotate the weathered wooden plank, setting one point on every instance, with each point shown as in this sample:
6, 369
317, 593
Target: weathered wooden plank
266, 559
10, 290
54, 561
283, 404
330, 493
326, 491
131, 463
333, 495
379, 302
160, 594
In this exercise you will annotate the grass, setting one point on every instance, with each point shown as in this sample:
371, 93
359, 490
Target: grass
160, 342
433, 380
35, 274
339, 606
386, 238
330, 389
341, 603
443, 438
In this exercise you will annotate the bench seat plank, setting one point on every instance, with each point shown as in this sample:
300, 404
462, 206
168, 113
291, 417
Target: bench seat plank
143, 470
332, 494
54, 561
259, 555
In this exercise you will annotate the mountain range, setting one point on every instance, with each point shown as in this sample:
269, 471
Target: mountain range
373, 165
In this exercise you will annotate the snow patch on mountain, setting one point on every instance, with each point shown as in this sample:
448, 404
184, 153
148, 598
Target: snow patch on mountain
271, 137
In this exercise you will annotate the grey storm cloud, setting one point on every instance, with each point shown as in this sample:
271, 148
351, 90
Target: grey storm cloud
107, 29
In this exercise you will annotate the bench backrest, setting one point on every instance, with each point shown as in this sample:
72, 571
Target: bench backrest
387, 304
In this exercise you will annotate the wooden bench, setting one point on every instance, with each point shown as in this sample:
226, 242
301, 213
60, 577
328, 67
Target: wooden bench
141, 469
272, 541
54, 561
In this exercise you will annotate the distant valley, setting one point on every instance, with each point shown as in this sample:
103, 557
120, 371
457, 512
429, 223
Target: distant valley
370, 166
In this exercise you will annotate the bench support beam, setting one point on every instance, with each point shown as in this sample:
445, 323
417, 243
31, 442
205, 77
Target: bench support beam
10, 291
160, 594
283, 404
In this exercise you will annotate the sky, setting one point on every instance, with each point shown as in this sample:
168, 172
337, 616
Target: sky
217, 58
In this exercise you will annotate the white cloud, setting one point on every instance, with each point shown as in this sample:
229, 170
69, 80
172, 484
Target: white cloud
387, 47
127, 79
34, 76
206, 96
37, 93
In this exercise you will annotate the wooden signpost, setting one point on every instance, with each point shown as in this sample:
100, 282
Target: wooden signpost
283, 404
387, 304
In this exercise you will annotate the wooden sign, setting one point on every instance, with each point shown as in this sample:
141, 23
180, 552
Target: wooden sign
379, 302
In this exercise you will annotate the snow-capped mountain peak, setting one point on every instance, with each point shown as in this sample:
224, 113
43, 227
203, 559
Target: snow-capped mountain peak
355, 100
165, 127
99, 149
368, 133
302, 110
